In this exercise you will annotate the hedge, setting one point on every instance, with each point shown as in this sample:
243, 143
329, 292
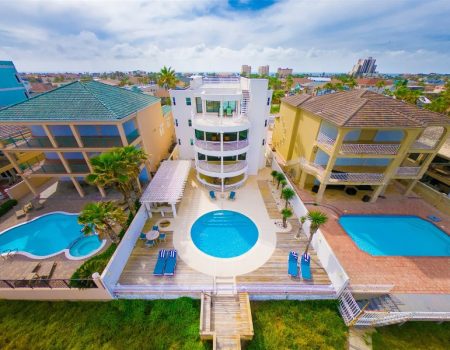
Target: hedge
5, 207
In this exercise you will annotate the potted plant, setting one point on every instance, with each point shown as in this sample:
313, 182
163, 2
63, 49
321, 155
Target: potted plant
274, 174
283, 184
287, 194
286, 213
280, 177
300, 229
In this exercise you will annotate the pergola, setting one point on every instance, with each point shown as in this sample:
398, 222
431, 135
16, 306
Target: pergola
167, 186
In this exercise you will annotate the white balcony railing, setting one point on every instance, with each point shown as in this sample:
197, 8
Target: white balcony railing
408, 171
358, 148
216, 167
423, 144
227, 146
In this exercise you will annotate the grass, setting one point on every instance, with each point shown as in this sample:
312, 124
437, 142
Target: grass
412, 336
297, 325
119, 324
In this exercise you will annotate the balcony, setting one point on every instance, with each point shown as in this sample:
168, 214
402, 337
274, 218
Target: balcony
345, 178
56, 167
216, 146
228, 167
219, 184
101, 141
213, 123
327, 143
407, 171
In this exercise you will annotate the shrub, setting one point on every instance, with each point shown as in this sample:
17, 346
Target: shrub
5, 207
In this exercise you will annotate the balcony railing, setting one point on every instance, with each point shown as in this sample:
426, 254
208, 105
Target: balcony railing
358, 148
227, 146
216, 167
319, 171
408, 171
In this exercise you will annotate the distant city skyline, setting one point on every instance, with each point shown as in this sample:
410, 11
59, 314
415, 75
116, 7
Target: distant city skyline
203, 36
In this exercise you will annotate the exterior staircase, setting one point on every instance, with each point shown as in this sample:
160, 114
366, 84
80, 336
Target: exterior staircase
225, 316
245, 101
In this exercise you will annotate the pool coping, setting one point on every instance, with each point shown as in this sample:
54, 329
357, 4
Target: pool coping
66, 251
398, 215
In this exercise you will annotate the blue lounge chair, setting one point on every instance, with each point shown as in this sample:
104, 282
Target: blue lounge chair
160, 263
305, 267
162, 237
434, 218
212, 195
171, 263
155, 228
142, 236
293, 264
232, 196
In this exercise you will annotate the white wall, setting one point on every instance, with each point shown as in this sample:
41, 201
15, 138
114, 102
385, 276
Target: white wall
182, 113
120, 257
329, 261
55, 294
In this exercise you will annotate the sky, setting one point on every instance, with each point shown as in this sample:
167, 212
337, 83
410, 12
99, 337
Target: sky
405, 36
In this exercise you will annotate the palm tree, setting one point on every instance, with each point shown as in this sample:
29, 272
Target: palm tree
102, 217
274, 174
287, 194
286, 213
300, 229
317, 219
289, 82
380, 84
280, 177
167, 78
283, 184
118, 168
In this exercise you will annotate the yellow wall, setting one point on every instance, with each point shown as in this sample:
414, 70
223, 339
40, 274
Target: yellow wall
155, 145
21, 189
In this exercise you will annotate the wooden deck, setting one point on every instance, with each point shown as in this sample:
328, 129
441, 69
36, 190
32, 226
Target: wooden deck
272, 277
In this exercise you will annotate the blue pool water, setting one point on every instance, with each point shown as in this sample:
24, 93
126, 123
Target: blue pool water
391, 235
49, 235
224, 234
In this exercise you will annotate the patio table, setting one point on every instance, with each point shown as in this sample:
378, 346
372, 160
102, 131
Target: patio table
152, 235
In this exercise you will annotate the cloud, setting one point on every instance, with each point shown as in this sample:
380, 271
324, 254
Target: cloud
201, 35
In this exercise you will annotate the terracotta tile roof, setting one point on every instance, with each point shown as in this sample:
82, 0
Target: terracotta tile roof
362, 108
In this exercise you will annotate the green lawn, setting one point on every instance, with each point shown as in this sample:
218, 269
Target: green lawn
282, 325
413, 336
119, 324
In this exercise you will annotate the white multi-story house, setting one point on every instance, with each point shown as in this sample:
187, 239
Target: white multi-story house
221, 123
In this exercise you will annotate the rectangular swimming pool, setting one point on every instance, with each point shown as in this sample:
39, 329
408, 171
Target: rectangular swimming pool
395, 235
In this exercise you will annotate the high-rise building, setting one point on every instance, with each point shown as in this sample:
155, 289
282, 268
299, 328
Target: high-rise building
284, 72
263, 70
12, 88
246, 70
221, 123
364, 66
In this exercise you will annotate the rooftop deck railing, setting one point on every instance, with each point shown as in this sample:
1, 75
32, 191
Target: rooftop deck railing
408, 170
221, 80
423, 144
227, 145
358, 148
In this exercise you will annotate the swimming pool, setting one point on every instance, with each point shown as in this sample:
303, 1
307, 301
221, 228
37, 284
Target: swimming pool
395, 235
49, 235
224, 233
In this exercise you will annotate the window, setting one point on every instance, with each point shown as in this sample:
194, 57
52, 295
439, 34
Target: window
179, 142
268, 101
176, 122
190, 122
188, 101
264, 142
201, 156
199, 135
198, 102
243, 135
212, 106
265, 123
173, 101
191, 141
228, 108
242, 156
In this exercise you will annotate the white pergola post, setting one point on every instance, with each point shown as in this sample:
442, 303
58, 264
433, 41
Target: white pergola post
147, 208
174, 210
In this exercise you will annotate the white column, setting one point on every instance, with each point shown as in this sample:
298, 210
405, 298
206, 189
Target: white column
174, 210
221, 109
147, 208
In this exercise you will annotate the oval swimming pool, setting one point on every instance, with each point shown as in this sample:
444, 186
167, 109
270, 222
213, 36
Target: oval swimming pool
48, 235
224, 233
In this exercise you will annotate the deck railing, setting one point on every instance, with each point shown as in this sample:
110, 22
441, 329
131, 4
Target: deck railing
227, 145
216, 167
408, 170
47, 283
358, 148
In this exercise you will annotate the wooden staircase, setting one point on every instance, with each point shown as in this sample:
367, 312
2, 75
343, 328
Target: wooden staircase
226, 319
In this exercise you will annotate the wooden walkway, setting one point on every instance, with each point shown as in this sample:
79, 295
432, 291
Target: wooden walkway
269, 201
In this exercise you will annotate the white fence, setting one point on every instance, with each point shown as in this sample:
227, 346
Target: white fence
329, 261
116, 264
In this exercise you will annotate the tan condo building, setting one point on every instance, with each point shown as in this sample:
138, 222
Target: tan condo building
356, 138
69, 125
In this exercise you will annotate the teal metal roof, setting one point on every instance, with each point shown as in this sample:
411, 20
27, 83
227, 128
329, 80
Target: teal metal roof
79, 101
166, 109
12, 90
